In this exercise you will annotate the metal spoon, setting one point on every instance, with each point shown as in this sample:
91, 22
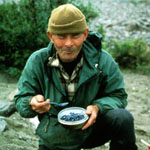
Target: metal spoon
59, 104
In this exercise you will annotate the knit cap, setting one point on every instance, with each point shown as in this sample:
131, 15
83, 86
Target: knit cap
66, 19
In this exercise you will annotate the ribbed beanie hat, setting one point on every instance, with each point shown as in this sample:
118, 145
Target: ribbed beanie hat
66, 19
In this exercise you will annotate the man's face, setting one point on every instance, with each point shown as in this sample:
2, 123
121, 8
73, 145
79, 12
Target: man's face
68, 46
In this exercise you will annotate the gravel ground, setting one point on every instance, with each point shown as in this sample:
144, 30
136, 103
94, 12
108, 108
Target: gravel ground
123, 19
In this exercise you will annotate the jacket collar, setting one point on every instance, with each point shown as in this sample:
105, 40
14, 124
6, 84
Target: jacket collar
91, 64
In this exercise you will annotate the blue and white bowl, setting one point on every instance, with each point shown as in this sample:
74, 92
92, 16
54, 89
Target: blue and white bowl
73, 117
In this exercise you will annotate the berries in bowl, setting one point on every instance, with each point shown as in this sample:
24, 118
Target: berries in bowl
73, 117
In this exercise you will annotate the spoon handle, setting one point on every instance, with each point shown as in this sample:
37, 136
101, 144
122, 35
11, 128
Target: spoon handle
53, 103
59, 104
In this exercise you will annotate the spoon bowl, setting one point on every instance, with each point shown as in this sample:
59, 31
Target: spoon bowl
59, 104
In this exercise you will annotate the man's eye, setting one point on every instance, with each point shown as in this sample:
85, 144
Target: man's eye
61, 37
76, 35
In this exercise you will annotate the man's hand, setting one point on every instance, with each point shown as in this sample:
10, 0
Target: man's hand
39, 105
91, 110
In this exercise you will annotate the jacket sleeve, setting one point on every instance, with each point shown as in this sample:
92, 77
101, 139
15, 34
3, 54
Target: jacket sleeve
28, 86
112, 94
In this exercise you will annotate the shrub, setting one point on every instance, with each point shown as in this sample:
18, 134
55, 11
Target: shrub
131, 53
101, 30
144, 69
87, 8
16, 35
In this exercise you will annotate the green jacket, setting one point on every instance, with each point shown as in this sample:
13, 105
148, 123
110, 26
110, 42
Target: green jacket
100, 84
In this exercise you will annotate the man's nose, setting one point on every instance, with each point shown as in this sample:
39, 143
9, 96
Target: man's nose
68, 42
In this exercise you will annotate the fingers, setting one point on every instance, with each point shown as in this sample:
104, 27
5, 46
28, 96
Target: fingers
36, 99
91, 120
43, 107
39, 105
47, 101
93, 112
89, 110
39, 98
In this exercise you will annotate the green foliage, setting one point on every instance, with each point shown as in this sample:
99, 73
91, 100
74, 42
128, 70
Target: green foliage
87, 8
144, 69
13, 72
15, 34
132, 54
136, 2
102, 32
56, 3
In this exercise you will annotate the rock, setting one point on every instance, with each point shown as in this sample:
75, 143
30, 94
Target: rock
12, 94
7, 108
133, 26
35, 121
3, 125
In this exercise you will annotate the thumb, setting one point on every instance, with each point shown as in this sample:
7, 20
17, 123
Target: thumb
40, 98
47, 101
88, 110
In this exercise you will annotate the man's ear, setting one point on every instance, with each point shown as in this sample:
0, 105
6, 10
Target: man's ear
86, 34
50, 36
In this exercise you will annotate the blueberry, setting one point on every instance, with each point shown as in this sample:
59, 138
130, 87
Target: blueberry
73, 117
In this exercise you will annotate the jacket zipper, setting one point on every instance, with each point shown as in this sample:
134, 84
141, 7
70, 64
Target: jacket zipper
46, 125
48, 121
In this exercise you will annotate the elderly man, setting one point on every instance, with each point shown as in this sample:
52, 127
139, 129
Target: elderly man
76, 69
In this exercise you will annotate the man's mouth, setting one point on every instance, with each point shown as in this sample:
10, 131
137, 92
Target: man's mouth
67, 51
71, 49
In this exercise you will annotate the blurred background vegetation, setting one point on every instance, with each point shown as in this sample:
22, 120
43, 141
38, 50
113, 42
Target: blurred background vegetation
23, 30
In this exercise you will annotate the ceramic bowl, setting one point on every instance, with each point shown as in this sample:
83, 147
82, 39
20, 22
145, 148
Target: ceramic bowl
73, 117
